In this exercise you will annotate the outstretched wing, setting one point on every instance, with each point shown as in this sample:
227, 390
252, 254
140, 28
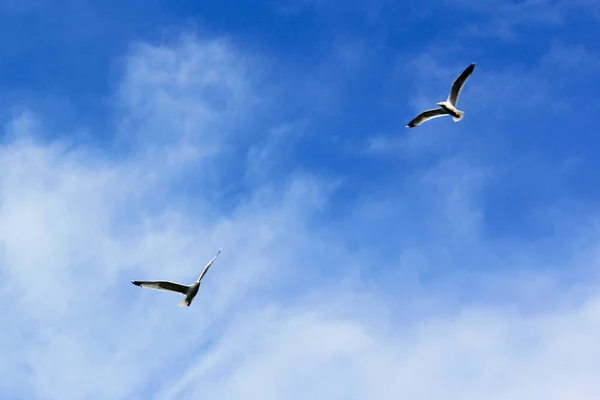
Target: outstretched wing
205, 270
458, 84
425, 116
163, 285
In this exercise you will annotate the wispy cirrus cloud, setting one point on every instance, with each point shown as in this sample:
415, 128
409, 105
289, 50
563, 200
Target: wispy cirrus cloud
78, 224
401, 290
472, 353
501, 321
506, 20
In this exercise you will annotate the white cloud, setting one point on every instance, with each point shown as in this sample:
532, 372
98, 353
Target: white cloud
288, 310
322, 350
74, 231
187, 102
76, 225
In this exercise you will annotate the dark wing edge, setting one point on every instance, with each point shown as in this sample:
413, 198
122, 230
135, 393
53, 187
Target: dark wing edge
426, 115
458, 84
162, 285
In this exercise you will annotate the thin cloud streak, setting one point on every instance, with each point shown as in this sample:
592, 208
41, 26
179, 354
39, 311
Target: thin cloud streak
506, 20
300, 304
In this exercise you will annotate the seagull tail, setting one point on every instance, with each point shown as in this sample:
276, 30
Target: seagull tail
461, 114
184, 303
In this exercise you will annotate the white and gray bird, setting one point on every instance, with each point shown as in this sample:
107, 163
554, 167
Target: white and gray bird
189, 291
447, 107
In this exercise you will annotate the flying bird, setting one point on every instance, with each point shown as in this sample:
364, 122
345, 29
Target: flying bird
189, 291
447, 107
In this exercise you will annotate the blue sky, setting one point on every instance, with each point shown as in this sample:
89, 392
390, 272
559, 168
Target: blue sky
361, 259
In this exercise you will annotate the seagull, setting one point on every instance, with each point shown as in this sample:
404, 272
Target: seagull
447, 107
189, 291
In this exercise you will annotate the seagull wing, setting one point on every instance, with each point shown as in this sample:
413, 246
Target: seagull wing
205, 270
425, 116
458, 84
163, 285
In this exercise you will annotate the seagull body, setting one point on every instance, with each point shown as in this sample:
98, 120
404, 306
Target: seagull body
189, 291
447, 107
